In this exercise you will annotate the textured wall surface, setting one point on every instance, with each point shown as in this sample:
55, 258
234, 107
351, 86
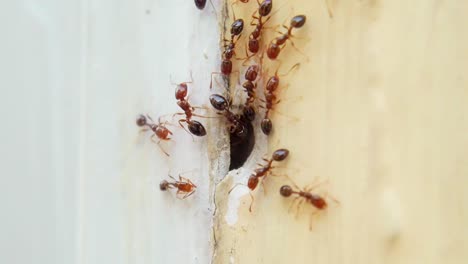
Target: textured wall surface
382, 108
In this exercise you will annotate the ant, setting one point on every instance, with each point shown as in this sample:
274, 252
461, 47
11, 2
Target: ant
183, 186
319, 202
226, 64
263, 171
270, 99
277, 44
195, 127
159, 129
249, 86
264, 10
222, 104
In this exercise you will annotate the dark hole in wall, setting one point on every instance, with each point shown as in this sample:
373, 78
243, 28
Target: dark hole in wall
241, 148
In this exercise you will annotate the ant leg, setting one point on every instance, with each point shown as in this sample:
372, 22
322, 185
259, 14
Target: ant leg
311, 218
170, 176
298, 208
214, 73
330, 12
235, 185
159, 145
188, 194
180, 123
328, 195
311, 187
298, 50
292, 203
263, 185
252, 201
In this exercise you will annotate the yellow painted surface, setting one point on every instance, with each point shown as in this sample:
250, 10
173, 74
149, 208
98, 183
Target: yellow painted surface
382, 105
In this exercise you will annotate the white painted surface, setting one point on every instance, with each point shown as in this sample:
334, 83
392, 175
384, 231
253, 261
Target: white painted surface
79, 181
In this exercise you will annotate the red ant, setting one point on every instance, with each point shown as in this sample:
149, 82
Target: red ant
195, 127
277, 44
249, 86
235, 124
159, 129
270, 99
226, 65
263, 171
264, 10
183, 186
315, 200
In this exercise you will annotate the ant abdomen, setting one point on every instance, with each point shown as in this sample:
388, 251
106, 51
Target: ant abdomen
280, 154
196, 128
265, 8
237, 27
298, 21
218, 102
200, 4
266, 126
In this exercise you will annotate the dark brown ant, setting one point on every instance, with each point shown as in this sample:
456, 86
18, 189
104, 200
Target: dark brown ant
263, 171
195, 127
159, 129
315, 200
236, 126
183, 185
226, 63
277, 44
271, 99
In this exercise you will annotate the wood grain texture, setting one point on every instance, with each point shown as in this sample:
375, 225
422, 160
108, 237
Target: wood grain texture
382, 105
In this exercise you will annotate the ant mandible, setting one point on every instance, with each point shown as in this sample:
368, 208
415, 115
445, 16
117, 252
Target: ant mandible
159, 129
226, 63
270, 99
277, 44
319, 202
183, 185
235, 124
195, 127
263, 171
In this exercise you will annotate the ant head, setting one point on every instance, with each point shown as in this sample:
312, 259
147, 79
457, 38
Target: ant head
280, 154
252, 183
298, 21
265, 7
266, 126
196, 128
286, 190
181, 91
219, 102
164, 185
141, 121
237, 27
